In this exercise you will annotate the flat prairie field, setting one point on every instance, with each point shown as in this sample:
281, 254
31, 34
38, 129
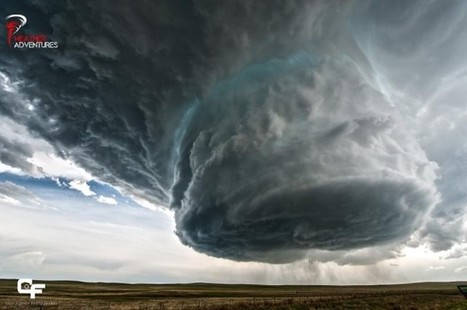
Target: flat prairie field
82, 295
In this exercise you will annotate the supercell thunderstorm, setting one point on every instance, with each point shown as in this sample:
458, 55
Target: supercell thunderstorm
270, 128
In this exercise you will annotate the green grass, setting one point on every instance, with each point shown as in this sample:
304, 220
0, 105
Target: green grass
81, 295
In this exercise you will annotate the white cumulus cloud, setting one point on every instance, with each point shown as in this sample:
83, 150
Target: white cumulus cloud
107, 200
82, 186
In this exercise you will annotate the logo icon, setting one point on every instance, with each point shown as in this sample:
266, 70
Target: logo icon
25, 286
13, 24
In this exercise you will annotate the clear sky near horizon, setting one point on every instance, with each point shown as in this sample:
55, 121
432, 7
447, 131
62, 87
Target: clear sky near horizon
273, 142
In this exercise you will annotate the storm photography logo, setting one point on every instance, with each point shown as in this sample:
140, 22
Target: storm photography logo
14, 23
25, 286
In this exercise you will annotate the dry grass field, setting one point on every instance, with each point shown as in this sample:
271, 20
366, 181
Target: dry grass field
80, 295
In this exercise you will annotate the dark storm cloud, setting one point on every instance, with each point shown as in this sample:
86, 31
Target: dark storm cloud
292, 164
255, 121
15, 154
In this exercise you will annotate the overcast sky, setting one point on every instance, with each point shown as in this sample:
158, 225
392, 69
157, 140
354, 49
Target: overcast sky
308, 142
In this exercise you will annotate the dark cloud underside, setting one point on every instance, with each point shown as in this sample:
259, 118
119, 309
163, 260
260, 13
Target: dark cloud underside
260, 123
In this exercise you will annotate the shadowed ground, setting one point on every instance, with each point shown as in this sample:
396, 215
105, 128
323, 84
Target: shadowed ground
80, 295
